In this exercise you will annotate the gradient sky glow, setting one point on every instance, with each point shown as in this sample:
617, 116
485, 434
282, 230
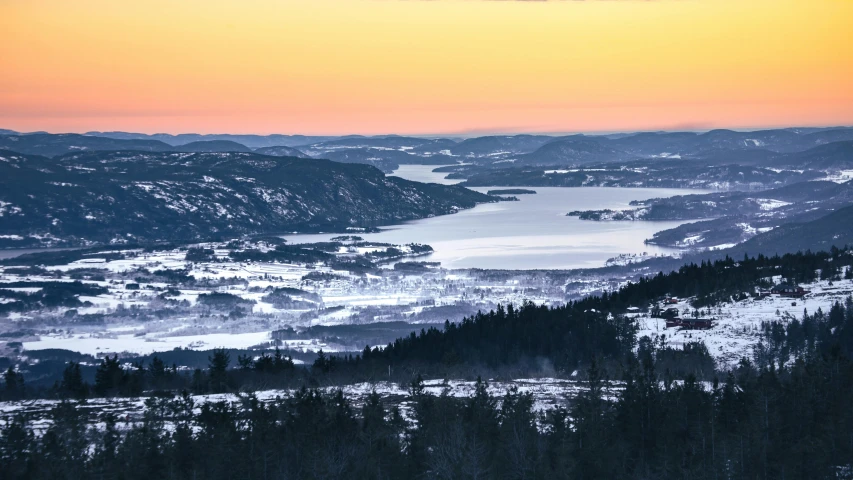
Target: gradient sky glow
423, 67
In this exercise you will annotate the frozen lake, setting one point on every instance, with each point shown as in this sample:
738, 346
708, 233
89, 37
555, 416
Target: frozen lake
533, 233
423, 173
17, 252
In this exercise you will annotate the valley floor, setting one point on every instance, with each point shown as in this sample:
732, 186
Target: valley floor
326, 308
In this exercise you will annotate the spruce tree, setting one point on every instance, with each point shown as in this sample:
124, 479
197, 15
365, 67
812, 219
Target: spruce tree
218, 370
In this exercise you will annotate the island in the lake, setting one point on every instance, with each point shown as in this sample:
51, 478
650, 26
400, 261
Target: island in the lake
511, 191
607, 214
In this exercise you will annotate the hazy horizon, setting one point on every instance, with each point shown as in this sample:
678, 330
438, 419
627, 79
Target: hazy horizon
441, 135
370, 67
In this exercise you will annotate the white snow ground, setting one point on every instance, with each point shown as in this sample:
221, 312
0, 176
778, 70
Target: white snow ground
736, 328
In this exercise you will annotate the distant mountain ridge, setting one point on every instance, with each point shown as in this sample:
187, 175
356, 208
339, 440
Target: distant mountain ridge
51, 145
576, 150
251, 141
281, 151
213, 146
829, 148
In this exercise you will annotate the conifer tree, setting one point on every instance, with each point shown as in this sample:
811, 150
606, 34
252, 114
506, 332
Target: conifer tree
218, 370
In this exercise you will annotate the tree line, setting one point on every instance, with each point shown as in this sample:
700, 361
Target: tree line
115, 378
758, 423
818, 333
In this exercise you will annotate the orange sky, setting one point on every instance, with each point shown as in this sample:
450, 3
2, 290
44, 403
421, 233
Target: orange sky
411, 66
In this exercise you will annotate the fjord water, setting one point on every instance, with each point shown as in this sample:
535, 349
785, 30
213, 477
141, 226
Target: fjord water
17, 252
533, 233
423, 173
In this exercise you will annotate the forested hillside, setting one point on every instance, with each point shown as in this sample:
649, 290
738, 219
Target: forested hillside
138, 196
569, 336
759, 422
835, 229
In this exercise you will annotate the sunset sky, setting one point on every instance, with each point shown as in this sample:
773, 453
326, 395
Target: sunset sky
423, 67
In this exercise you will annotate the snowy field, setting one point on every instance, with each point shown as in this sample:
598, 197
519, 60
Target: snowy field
100, 343
736, 327
160, 315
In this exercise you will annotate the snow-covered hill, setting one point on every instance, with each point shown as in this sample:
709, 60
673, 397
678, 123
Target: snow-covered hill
737, 325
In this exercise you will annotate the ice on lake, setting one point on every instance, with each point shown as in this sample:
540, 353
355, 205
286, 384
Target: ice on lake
533, 233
